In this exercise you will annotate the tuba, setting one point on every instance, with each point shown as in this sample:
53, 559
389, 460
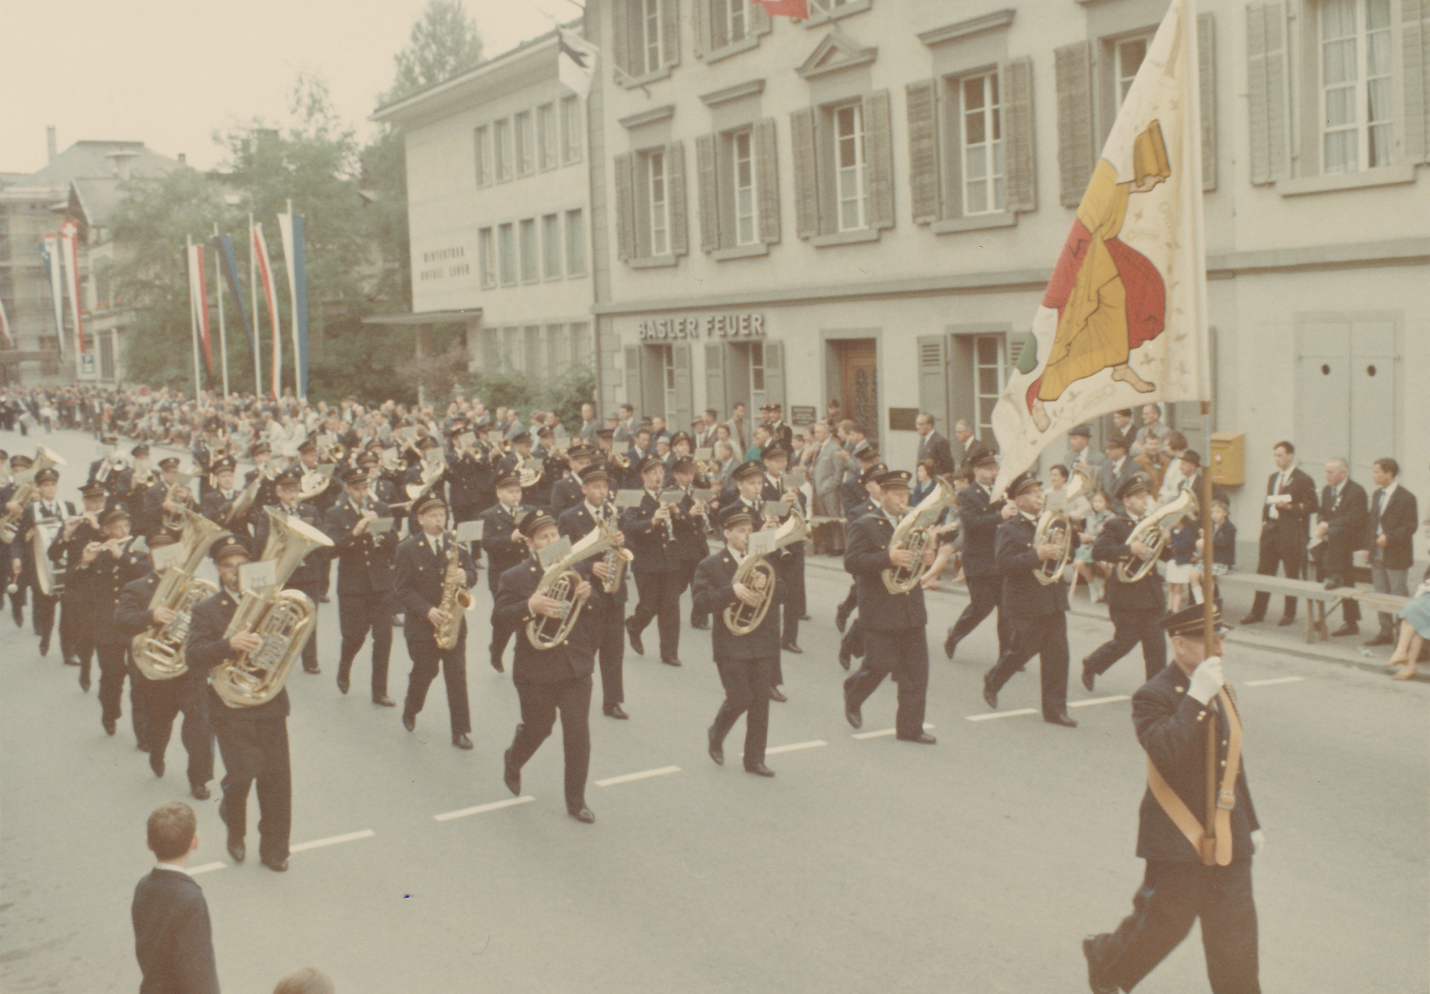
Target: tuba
159, 650
742, 618
914, 533
1149, 533
560, 581
25, 491
456, 602
1052, 524
284, 619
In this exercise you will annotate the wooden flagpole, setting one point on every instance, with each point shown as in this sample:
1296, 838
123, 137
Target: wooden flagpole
1208, 623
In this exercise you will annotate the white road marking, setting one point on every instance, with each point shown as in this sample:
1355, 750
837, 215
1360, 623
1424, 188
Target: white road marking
628, 777
794, 748
1269, 683
484, 808
206, 868
366, 833
882, 732
991, 715
1098, 700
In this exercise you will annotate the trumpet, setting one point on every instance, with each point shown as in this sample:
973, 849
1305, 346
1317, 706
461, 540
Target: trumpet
1058, 527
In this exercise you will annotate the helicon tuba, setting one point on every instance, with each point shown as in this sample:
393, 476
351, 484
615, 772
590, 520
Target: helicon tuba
742, 618
1149, 533
914, 532
1058, 526
559, 582
159, 650
284, 619
456, 601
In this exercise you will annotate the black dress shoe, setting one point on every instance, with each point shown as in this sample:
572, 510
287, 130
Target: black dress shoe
19, 614
990, 696
277, 865
1349, 628
322, 598
791, 646
343, 682
156, 763
1253, 619
236, 851
398, 620
844, 657
671, 660
717, 748
1095, 980
775, 695
841, 618
84, 681
1061, 718
384, 700
699, 626
108, 724
805, 617
409, 722
759, 770
44, 645
923, 738
497, 663
1286, 619
582, 814
614, 711
71, 660
1089, 676
200, 791
949, 644
462, 740
511, 776
853, 716
637, 646
1381, 639
315, 670
1332, 584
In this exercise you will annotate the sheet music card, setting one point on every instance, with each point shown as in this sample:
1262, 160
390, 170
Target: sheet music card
554, 552
166, 556
761, 543
380, 526
469, 532
257, 577
629, 498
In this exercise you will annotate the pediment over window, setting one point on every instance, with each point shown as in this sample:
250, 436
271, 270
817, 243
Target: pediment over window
836, 52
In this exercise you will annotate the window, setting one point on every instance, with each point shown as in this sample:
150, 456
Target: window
664, 357
1355, 85
510, 348
551, 246
506, 242
501, 149
521, 124
989, 376
491, 350
1127, 56
557, 346
756, 356
730, 21
648, 54
529, 272
486, 258
546, 136
852, 177
580, 344
575, 243
743, 176
570, 129
483, 151
981, 131
531, 351
657, 205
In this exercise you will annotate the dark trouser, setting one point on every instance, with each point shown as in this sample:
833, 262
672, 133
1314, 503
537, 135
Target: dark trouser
903, 652
44, 614
687, 582
501, 634
1173, 895
985, 595
113, 667
852, 601
1045, 636
539, 704
426, 660
357, 613
792, 601
464, 512
611, 647
166, 699
660, 599
1287, 551
853, 640
310, 650
747, 692
1129, 628
1335, 564
256, 751
73, 630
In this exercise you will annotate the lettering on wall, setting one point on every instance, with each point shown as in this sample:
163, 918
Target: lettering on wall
449, 262
745, 325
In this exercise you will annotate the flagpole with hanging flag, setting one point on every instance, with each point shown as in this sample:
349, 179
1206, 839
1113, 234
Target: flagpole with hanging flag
290, 227
199, 300
5, 326
265, 275
798, 9
50, 259
218, 298
253, 288
575, 61
223, 247
69, 241
193, 313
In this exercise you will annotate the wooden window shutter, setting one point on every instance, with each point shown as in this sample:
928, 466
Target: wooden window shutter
624, 167
675, 187
707, 193
921, 99
700, 12
768, 178
715, 376
1415, 49
1266, 91
1206, 82
774, 373
684, 389
669, 33
759, 19
1073, 68
621, 35
1015, 86
633, 378
806, 179
879, 143
933, 378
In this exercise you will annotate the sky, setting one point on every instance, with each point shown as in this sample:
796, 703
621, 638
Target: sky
170, 73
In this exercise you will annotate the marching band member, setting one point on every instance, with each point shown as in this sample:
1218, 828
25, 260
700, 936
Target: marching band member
852, 644
893, 624
308, 577
776, 460
650, 532
7, 498
505, 548
575, 524
554, 679
252, 740
692, 530
566, 492
365, 579
422, 571
76, 638
157, 502
745, 662
468, 475
43, 507
980, 517
105, 568
217, 504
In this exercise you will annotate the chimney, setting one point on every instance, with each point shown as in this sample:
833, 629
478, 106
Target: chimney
51, 142
183, 158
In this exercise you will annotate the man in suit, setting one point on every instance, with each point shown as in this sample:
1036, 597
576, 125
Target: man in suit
308, 577
1117, 471
825, 472
218, 502
468, 475
651, 533
556, 679
1136, 608
736, 424
504, 548
48, 510
566, 492
625, 428
1153, 462
1152, 427
1341, 531
1082, 456
933, 446
744, 661
365, 577
576, 523
852, 644
589, 424
424, 567
1390, 532
853, 490
1188, 876
692, 527
791, 564
76, 636
1285, 529
1036, 612
173, 938
705, 431
979, 518
895, 642
105, 567
253, 741
162, 499
971, 449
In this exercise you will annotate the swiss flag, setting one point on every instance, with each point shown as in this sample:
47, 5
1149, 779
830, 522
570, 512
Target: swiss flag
786, 8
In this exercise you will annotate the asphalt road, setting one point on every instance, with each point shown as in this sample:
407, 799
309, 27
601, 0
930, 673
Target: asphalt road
867, 864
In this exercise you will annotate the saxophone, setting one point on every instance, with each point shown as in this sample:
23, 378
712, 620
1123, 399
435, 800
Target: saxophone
914, 533
456, 601
615, 558
159, 650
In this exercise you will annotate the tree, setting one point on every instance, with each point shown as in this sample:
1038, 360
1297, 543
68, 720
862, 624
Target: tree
443, 42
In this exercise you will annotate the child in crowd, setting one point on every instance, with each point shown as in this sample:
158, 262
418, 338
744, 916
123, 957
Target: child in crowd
1093, 574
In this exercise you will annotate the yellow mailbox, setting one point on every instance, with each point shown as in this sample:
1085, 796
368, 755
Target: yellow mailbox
1228, 455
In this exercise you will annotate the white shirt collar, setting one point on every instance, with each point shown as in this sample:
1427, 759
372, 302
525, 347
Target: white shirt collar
594, 512
1389, 489
174, 867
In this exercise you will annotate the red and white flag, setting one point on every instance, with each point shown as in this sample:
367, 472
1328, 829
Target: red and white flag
786, 8
69, 248
265, 278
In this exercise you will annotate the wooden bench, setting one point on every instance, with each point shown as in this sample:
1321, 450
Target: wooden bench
1389, 603
1319, 600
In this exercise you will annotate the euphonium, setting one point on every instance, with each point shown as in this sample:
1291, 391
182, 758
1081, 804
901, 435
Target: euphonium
1058, 527
529, 477
742, 618
284, 619
432, 473
616, 559
456, 601
913, 533
25, 492
559, 582
313, 484
1149, 533
159, 651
